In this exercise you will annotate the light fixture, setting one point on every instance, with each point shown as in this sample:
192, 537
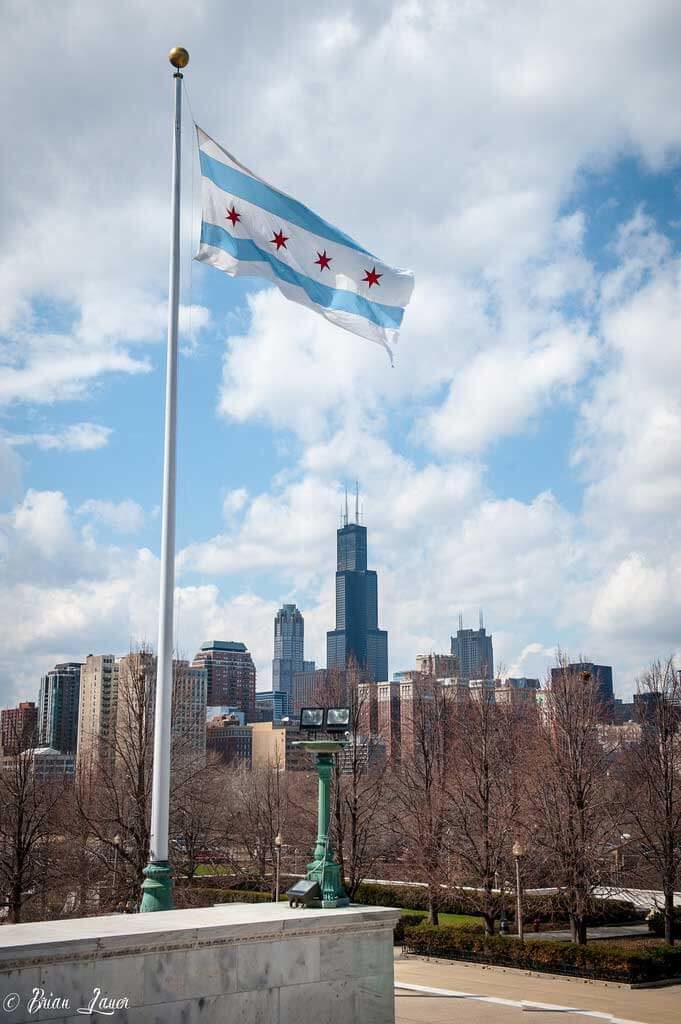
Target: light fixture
337, 719
311, 718
518, 848
278, 840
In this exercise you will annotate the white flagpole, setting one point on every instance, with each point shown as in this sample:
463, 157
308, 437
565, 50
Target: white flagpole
157, 887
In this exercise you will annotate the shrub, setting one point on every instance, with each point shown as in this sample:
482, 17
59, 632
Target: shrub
206, 896
605, 961
656, 923
410, 919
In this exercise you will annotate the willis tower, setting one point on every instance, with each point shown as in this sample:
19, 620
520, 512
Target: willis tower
356, 634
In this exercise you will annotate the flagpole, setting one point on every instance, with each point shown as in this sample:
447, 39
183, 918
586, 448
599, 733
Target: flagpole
157, 887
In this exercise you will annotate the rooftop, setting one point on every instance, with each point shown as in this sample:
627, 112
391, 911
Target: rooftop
224, 645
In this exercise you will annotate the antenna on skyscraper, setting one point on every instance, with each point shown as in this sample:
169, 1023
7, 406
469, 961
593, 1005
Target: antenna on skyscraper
356, 501
346, 506
361, 512
482, 624
460, 620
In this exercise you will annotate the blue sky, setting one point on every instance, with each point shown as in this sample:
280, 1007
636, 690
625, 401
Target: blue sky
524, 455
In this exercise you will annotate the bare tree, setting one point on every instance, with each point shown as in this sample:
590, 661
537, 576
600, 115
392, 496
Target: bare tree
358, 783
114, 797
114, 791
198, 819
484, 800
420, 785
569, 799
28, 804
651, 770
259, 809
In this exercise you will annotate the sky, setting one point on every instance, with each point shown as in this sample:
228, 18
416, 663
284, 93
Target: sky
523, 456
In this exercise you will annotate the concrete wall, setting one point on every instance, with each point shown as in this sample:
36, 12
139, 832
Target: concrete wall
237, 964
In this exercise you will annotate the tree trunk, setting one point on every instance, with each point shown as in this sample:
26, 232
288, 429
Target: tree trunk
580, 925
14, 904
433, 909
488, 920
669, 915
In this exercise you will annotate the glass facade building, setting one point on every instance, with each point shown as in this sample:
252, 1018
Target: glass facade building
58, 707
602, 675
356, 635
473, 651
289, 642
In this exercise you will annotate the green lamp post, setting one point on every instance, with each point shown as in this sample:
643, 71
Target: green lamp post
323, 867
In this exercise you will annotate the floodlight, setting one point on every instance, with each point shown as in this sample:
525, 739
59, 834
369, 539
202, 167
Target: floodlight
337, 719
311, 718
303, 893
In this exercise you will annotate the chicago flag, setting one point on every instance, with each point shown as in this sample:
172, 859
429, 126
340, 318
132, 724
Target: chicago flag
250, 228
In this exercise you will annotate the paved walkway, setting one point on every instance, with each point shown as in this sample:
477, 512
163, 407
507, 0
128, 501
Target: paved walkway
492, 995
621, 931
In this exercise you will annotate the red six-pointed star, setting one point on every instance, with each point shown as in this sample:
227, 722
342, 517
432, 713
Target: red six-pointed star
233, 215
371, 277
280, 239
323, 261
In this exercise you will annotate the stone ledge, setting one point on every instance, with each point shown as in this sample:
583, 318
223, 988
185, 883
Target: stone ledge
25, 945
255, 964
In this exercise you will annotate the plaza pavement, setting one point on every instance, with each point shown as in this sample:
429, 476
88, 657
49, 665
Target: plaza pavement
493, 995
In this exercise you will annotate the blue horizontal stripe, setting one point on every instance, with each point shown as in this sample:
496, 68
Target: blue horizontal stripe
257, 192
246, 250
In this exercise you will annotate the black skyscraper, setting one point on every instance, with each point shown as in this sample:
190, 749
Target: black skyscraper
356, 634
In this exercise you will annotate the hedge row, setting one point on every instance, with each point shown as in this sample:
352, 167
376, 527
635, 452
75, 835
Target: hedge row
544, 909
604, 961
202, 896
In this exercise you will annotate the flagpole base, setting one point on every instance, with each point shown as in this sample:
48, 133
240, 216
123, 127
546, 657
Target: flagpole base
157, 888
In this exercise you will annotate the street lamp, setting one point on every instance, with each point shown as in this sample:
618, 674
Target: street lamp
323, 869
619, 857
277, 855
116, 845
518, 852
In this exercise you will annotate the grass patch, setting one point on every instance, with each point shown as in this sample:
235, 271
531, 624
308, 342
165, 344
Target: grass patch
461, 920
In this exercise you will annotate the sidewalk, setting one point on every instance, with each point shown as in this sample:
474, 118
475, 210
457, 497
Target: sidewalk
492, 995
622, 931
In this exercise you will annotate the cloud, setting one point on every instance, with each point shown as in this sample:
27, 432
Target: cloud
234, 501
122, 516
77, 437
501, 390
10, 470
42, 519
64, 595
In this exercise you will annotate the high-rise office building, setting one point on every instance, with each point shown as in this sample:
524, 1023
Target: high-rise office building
190, 692
58, 707
230, 675
289, 641
19, 728
602, 675
473, 651
356, 636
134, 713
96, 717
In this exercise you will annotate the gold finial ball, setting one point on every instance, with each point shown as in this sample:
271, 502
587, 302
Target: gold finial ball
179, 57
